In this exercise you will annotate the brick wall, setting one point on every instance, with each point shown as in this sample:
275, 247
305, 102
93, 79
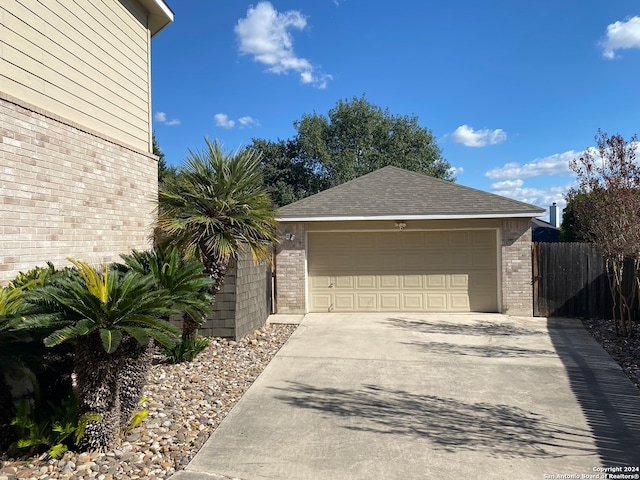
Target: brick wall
290, 270
244, 302
517, 293
68, 192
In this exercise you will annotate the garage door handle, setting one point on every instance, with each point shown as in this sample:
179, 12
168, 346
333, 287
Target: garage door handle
331, 285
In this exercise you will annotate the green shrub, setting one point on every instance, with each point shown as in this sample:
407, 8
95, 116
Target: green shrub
185, 351
50, 427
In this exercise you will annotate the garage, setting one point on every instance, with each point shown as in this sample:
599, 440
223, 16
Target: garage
399, 241
403, 271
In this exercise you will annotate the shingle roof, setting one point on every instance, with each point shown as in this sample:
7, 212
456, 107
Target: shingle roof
392, 192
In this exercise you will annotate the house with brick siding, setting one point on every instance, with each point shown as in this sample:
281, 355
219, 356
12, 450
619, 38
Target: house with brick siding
400, 241
77, 174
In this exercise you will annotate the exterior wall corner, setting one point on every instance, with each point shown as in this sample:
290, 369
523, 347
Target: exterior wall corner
517, 292
290, 269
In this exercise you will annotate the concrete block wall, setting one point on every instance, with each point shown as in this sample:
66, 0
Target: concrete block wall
517, 292
66, 191
244, 302
290, 269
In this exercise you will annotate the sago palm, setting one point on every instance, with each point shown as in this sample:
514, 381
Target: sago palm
182, 279
216, 206
186, 284
109, 317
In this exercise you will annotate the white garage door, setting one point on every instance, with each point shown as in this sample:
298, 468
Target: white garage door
440, 271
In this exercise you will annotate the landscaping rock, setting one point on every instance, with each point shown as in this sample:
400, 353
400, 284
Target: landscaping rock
186, 402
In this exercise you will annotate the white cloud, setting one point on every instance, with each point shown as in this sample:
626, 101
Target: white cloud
507, 184
161, 117
248, 121
478, 138
265, 34
621, 35
222, 120
552, 165
536, 196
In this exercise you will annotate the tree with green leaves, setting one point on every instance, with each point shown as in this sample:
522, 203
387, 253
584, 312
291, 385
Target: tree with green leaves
571, 230
216, 206
164, 170
286, 176
606, 207
354, 138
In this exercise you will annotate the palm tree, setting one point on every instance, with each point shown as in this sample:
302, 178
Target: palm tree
108, 316
215, 206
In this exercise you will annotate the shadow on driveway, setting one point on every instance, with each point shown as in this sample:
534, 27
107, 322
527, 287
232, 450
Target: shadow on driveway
451, 425
478, 328
609, 401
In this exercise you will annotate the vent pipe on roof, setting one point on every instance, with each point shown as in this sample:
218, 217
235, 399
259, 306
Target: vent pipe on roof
553, 215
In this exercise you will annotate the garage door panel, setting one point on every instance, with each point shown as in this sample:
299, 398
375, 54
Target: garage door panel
483, 281
484, 239
366, 281
321, 302
458, 281
483, 259
344, 282
434, 259
458, 239
458, 302
436, 239
412, 240
481, 302
413, 302
390, 302
436, 302
412, 282
389, 282
458, 259
403, 271
344, 302
436, 281
320, 281
367, 302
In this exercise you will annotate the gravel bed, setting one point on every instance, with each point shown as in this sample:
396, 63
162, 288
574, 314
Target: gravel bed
625, 351
186, 403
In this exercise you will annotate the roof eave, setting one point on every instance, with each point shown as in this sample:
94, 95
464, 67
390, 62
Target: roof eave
160, 15
462, 216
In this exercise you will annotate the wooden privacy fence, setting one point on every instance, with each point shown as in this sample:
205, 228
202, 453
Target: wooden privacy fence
570, 280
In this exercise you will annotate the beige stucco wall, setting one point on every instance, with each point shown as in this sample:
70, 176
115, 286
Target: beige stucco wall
85, 61
66, 191
514, 258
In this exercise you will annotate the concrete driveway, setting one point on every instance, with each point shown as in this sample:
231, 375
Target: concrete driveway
427, 396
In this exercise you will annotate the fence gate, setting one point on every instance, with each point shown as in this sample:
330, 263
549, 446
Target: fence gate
569, 280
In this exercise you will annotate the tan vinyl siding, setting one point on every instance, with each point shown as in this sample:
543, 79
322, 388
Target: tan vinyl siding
86, 61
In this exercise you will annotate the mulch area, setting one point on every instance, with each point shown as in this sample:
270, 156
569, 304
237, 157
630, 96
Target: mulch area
625, 351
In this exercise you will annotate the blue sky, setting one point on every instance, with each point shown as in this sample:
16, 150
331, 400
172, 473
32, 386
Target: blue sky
511, 89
